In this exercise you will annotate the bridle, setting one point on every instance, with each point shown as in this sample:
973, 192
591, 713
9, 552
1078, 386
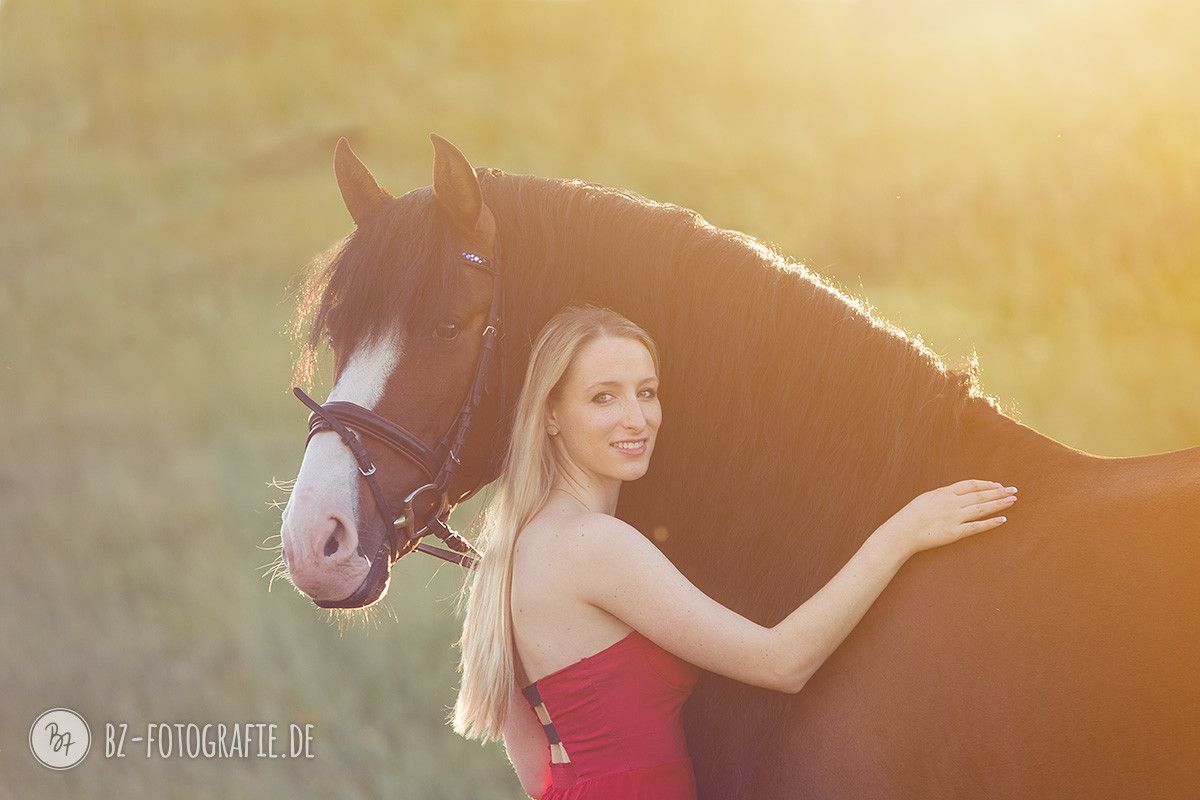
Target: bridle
426, 509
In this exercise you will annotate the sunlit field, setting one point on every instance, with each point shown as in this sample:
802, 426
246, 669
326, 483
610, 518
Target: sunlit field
1016, 183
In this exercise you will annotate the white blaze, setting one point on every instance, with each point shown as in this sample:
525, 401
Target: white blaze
327, 483
367, 372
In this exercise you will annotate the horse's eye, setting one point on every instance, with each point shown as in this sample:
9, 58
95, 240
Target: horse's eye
447, 330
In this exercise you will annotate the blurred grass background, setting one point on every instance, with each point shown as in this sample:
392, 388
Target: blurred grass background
1021, 180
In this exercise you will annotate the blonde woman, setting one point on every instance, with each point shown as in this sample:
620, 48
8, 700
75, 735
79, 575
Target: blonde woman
572, 611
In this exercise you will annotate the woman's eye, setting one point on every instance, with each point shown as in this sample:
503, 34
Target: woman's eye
447, 330
651, 394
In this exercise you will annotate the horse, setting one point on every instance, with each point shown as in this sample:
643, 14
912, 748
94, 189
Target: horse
1057, 657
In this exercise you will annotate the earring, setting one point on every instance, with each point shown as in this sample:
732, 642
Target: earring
552, 430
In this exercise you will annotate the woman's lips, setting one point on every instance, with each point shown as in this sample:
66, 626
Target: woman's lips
631, 451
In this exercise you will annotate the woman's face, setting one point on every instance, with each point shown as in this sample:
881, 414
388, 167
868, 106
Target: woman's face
608, 398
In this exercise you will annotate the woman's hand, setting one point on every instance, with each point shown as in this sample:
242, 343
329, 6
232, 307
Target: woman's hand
945, 515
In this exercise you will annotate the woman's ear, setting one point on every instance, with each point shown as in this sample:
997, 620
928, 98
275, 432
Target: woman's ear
550, 423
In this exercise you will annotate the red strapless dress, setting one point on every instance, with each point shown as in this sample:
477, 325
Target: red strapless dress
616, 713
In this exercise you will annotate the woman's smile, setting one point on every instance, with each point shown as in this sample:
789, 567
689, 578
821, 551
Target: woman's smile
633, 447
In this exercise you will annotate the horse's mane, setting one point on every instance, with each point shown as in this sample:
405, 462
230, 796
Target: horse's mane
792, 412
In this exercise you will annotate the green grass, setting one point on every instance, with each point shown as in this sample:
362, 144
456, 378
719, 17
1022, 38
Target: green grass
1021, 184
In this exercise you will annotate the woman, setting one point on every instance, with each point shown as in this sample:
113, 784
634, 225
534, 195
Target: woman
580, 637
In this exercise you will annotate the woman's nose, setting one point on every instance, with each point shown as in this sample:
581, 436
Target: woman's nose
634, 417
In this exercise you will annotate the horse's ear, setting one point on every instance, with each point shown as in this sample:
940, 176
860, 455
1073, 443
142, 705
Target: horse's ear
455, 184
360, 191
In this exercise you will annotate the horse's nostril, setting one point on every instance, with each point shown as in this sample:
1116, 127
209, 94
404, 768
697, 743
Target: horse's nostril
331, 545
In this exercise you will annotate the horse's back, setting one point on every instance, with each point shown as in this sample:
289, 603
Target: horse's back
1053, 657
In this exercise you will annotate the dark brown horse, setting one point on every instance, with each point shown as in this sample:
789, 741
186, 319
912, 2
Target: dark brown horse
1058, 657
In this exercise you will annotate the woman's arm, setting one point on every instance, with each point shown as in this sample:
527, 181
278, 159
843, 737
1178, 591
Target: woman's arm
620, 571
527, 746
813, 631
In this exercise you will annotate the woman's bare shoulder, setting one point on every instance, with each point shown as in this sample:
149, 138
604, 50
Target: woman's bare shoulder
552, 529
553, 624
553, 547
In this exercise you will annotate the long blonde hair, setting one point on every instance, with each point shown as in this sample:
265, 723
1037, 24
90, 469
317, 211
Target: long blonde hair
529, 470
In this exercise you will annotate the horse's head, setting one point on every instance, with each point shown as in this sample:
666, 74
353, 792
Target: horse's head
411, 304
